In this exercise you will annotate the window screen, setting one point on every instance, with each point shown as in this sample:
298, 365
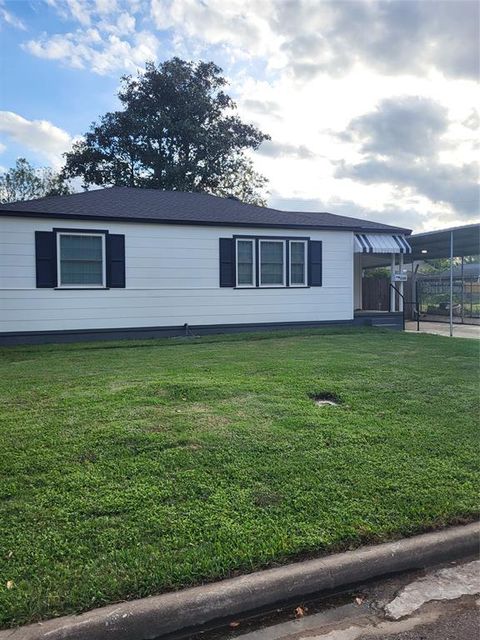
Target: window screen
81, 260
245, 263
272, 263
297, 263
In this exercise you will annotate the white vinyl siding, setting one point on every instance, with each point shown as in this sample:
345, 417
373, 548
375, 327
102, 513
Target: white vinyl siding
245, 254
298, 263
172, 277
80, 260
272, 263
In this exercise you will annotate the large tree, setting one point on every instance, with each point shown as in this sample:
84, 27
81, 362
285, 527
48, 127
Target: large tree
177, 129
24, 182
241, 181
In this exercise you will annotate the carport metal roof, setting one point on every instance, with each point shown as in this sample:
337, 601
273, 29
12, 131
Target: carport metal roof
436, 244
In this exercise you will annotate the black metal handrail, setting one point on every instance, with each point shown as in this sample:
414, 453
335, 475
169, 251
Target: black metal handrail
413, 302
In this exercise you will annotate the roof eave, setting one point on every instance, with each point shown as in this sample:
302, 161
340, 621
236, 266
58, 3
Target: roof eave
202, 223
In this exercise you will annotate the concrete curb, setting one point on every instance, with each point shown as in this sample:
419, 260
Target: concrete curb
157, 616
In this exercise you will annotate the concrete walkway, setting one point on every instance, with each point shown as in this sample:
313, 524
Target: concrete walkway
443, 329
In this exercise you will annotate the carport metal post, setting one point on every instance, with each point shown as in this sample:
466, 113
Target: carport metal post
451, 283
463, 291
392, 290
400, 301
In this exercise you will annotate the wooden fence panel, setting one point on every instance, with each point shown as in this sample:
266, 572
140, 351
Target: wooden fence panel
376, 294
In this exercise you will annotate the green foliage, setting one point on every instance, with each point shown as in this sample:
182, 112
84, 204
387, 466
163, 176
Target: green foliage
437, 265
241, 181
24, 182
475, 259
378, 272
133, 468
177, 130
442, 265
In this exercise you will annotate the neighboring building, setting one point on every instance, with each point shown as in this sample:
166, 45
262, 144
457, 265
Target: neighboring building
124, 262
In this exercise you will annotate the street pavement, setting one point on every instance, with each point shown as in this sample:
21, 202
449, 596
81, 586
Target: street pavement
439, 604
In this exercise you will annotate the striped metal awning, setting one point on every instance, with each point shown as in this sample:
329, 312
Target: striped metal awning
381, 243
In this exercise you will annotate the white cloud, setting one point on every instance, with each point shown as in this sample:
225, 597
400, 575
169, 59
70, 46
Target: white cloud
100, 52
309, 37
400, 143
39, 136
105, 42
106, 6
125, 23
312, 115
11, 19
79, 11
242, 26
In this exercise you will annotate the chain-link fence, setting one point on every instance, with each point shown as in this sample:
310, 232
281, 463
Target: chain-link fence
434, 299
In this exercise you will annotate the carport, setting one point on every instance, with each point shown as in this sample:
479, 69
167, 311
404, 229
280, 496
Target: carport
457, 242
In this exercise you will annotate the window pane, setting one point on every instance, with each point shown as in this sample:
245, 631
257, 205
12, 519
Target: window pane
80, 247
81, 260
297, 274
245, 274
271, 268
297, 263
297, 252
272, 252
245, 250
84, 272
245, 262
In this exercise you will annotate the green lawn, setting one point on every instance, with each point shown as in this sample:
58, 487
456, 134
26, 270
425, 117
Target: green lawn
129, 469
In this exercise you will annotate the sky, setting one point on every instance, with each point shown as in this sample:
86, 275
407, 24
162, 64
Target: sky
372, 106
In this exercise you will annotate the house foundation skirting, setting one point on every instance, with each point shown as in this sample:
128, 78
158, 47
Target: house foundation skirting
387, 320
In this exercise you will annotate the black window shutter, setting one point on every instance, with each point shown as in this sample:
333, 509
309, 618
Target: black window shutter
46, 259
227, 262
315, 263
115, 260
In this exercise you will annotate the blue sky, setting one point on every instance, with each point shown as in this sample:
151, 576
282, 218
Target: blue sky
371, 105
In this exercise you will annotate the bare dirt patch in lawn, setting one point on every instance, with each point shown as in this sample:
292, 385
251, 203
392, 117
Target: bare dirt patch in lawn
325, 399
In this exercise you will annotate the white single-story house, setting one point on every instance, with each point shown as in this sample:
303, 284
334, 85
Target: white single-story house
125, 262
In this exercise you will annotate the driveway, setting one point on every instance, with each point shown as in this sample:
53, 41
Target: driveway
443, 329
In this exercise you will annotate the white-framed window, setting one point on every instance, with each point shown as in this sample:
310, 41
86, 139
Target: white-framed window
298, 263
246, 271
272, 263
81, 260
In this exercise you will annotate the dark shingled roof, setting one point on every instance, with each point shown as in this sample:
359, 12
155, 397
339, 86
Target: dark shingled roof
127, 204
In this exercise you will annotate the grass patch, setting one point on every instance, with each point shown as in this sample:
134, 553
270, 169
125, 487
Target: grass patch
133, 468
